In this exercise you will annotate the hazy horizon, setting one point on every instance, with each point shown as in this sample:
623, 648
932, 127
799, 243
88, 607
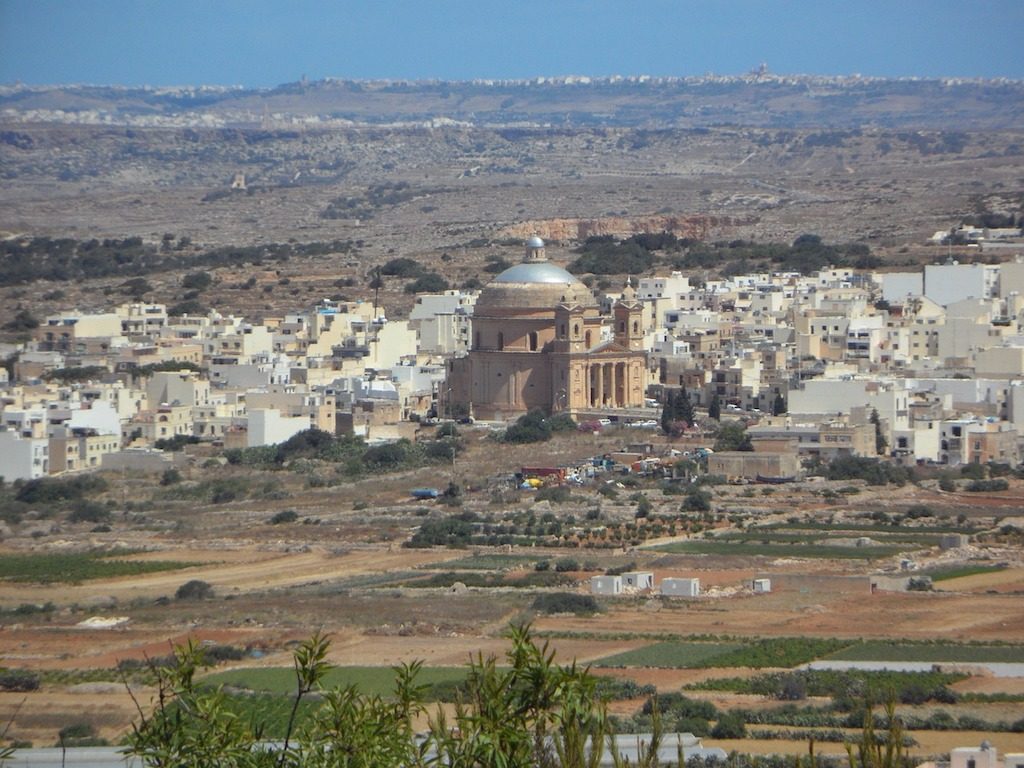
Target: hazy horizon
264, 43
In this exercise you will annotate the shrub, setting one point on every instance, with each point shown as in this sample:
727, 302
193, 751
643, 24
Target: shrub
18, 680
429, 282
284, 516
80, 735
696, 500
984, 486
451, 532
729, 726
175, 443
532, 427
170, 477
196, 281
566, 564
565, 602
402, 267
215, 653
88, 512
873, 471
389, 455
557, 494
56, 489
194, 590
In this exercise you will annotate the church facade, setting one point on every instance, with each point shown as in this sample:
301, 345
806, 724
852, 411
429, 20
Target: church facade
540, 341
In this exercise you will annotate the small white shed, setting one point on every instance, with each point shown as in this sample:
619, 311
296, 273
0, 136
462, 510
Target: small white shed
606, 585
762, 586
638, 580
985, 756
680, 587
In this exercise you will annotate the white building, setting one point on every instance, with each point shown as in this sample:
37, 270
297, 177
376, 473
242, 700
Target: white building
638, 580
23, 458
949, 283
268, 427
985, 756
606, 585
649, 288
673, 587
897, 287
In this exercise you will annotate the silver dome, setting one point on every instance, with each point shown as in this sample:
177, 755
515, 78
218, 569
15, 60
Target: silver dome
536, 272
535, 242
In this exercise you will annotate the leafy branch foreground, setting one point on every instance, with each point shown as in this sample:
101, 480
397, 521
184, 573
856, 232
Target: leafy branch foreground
531, 713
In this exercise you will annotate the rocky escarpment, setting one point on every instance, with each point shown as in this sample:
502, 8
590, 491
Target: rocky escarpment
696, 227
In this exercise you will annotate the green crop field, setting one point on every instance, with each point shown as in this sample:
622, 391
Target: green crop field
772, 536
763, 652
668, 655
873, 528
882, 651
73, 567
752, 549
944, 573
369, 680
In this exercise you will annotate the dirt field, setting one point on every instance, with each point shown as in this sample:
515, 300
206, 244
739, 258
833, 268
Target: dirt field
953, 617
1009, 580
252, 572
342, 573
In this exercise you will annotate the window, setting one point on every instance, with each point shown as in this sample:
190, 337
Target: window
636, 327
501, 341
533, 341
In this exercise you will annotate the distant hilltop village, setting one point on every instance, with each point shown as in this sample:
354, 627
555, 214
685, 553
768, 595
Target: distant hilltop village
708, 100
918, 367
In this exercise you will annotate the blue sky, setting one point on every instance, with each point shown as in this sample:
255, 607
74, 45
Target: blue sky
267, 42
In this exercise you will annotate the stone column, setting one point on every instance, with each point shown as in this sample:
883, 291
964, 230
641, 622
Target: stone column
599, 386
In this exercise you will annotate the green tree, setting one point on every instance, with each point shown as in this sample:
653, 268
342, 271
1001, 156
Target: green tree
196, 281
779, 405
715, 407
732, 436
668, 411
881, 443
429, 282
22, 321
683, 408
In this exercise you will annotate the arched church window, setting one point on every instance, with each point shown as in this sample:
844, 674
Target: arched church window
622, 326
636, 327
587, 339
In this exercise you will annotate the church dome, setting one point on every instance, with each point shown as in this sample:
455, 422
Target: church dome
536, 283
536, 272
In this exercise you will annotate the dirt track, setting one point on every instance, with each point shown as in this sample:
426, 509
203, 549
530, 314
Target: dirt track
258, 571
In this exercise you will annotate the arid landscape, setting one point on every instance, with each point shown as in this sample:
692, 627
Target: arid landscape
452, 194
341, 567
456, 179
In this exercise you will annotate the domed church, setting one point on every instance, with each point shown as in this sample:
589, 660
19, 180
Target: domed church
540, 341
